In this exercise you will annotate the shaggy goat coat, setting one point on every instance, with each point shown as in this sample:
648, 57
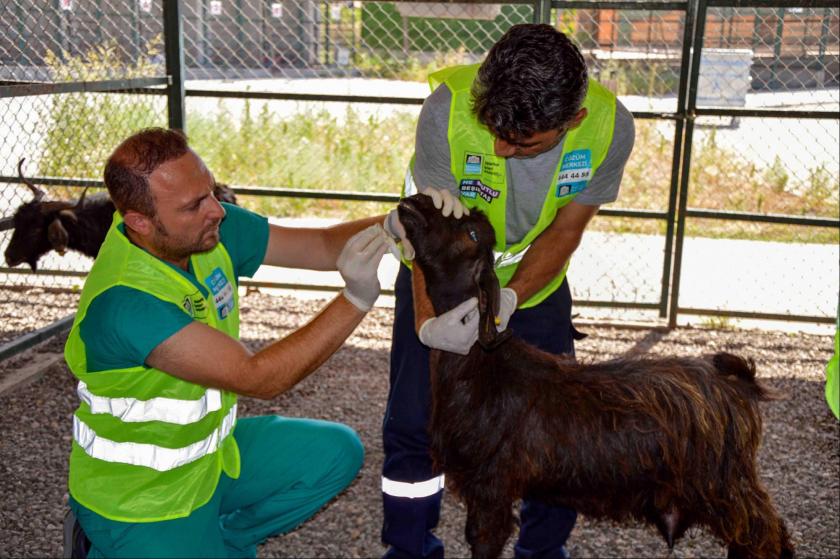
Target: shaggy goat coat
671, 441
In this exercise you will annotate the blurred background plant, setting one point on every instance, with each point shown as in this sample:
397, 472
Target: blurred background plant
318, 149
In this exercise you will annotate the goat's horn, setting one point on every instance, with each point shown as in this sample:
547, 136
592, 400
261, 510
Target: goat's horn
81, 201
35, 190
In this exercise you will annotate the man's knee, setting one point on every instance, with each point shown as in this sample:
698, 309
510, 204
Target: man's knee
345, 447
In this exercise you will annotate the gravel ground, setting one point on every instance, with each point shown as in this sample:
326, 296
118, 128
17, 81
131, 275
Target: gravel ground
25, 310
799, 457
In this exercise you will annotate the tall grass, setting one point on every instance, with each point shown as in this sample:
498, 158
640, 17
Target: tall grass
81, 129
722, 179
410, 67
312, 149
316, 149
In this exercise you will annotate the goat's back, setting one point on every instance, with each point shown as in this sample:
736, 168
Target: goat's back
606, 427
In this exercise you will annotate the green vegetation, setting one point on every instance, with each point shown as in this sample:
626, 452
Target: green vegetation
719, 322
314, 149
387, 66
382, 27
722, 179
639, 77
83, 128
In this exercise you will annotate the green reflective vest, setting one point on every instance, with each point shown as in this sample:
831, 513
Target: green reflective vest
482, 176
148, 446
832, 374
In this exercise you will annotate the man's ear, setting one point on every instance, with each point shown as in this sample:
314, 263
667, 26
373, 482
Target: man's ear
578, 118
138, 222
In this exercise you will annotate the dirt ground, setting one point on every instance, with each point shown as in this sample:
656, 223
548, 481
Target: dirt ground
798, 460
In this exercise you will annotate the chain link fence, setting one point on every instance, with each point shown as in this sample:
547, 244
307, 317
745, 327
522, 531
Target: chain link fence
60, 65
298, 96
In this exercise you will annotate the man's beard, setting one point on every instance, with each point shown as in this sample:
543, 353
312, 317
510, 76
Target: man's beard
175, 248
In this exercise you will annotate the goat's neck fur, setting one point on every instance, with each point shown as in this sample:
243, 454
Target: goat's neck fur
88, 230
444, 295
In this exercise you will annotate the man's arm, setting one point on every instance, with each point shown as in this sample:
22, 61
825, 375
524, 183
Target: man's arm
554, 246
200, 354
551, 250
311, 247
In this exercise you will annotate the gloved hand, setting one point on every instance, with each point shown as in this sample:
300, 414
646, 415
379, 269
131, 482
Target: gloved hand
507, 306
396, 232
358, 263
455, 330
446, 202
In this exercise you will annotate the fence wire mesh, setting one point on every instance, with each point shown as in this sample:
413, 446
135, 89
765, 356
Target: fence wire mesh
753, 58
65, 135
339, 39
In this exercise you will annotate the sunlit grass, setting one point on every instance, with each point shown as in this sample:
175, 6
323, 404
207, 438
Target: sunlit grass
316, 149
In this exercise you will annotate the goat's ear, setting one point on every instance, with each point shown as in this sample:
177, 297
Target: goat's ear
58, 237
488, 304
69, 214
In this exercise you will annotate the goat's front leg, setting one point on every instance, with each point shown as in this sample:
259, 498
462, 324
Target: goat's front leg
489, 525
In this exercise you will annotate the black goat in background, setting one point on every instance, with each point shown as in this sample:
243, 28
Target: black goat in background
666, 440
41, 226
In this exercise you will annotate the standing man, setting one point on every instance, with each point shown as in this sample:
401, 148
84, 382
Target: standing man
528, 139
160, 466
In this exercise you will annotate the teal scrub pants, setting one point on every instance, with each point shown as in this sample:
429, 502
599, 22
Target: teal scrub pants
290, 468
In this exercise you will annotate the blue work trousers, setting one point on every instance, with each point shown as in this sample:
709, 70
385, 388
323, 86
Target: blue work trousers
408, 521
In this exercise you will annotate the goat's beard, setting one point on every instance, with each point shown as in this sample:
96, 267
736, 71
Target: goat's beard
177, 247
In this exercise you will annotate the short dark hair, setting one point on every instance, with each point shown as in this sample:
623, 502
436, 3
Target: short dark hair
534, 79
128, 168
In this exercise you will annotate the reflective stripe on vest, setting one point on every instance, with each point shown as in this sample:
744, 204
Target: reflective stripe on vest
410, 187
168, 410
501, 259
149, 455
138, 423
413, 490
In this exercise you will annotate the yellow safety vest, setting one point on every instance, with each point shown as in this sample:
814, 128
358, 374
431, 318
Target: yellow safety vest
832, 374
148, 446
482, 176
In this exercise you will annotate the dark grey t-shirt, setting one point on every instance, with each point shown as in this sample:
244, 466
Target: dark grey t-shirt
527, 178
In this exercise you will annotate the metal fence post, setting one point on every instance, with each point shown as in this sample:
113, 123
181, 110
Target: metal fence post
825, 28
690, 106
689, 23
542, 11
173, 37
777, 48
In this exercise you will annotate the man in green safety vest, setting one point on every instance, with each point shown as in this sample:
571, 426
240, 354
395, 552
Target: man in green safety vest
160, 466
529, 139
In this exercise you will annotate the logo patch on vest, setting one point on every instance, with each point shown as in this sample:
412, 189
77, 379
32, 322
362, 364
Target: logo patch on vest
575, 172
470, 188
472, 164
195, 306
222, 292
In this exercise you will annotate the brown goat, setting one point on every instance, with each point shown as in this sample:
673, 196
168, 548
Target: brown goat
41, 226
670, 441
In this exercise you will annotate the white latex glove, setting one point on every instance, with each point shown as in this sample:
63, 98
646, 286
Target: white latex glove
446, 202
455, 330
396, 233
358, 263
507, 306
